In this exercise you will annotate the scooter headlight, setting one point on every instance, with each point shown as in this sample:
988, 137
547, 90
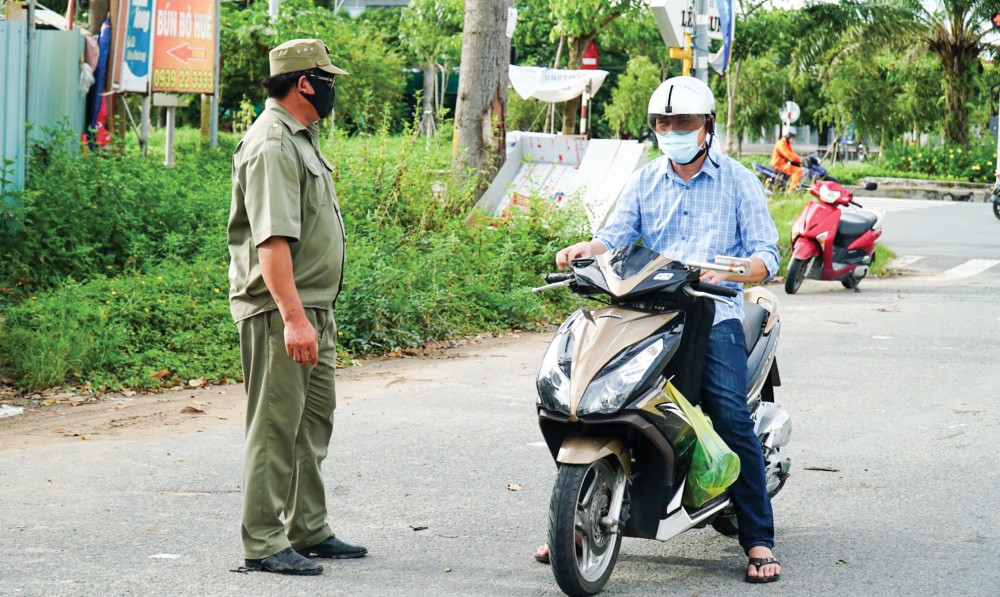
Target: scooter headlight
553, 376
618, 380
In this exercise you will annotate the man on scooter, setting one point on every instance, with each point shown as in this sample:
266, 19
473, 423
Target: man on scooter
783, 159
692, 205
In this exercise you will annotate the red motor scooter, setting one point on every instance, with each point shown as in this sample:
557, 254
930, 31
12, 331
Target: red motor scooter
834, 238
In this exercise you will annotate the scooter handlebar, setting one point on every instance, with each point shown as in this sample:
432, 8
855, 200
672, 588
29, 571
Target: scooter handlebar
559, 277
716, 289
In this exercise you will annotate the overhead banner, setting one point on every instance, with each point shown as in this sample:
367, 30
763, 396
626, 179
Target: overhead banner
133, 53
727, 22
554, 85
184, 46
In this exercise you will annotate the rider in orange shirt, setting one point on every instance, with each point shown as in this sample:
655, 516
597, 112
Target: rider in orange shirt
783, 159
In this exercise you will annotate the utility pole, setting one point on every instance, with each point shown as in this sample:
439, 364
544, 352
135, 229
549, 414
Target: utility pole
213, 135
27, 85
699, 41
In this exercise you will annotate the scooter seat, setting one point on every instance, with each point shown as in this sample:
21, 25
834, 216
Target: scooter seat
853, 224
753, 323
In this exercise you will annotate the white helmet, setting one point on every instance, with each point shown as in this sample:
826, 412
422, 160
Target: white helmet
790, 131
682, 95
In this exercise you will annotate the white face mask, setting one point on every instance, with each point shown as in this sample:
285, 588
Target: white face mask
681, 147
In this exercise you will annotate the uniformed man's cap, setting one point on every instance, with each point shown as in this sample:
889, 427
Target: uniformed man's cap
302, 54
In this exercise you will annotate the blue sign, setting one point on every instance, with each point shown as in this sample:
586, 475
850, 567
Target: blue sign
138, 53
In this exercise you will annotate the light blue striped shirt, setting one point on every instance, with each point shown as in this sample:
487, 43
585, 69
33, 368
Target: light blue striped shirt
722, 210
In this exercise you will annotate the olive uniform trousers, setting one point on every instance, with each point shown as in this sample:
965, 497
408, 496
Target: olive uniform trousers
289, 424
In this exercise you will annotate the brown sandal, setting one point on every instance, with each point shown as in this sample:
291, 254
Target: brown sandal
757, 563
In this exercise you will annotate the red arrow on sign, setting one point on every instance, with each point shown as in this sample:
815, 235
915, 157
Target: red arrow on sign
185, 53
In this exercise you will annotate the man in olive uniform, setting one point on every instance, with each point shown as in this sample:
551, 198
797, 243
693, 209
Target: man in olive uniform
286, 243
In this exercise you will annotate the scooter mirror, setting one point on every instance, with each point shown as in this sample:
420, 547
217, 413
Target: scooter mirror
871, 186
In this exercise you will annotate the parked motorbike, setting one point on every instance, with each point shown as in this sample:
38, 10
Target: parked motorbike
996, 201
834, 238
775, 180
622, 447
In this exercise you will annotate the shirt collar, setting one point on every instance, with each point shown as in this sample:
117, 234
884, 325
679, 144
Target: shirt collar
290, 121
710, 167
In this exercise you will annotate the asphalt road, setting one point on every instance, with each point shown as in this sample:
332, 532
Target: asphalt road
894, 388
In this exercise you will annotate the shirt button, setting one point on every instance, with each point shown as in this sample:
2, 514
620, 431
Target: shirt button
684, 238
685, 213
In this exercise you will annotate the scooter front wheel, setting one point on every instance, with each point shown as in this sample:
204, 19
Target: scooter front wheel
796, 273
582, 548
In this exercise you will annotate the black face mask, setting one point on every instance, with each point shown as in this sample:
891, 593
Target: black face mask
322, 99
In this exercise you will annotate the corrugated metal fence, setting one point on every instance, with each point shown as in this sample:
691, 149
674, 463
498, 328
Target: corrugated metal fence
55, 97
13, 46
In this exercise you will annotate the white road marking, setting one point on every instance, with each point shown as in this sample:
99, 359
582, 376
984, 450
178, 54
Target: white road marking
881, 337
905, 260
969, 268
889, 204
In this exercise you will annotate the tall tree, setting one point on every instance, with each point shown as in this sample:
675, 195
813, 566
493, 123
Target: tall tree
581, 21
480, 132
953, 31
432, 30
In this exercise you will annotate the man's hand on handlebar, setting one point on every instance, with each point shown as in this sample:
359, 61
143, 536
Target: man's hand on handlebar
588, 248
713, 277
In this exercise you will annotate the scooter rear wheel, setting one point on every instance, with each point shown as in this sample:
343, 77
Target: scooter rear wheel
996, 207
582, 550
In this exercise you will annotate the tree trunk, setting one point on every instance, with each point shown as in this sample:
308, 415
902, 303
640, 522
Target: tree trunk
956, 115
479, 145
572, 107
732, 81
427, 115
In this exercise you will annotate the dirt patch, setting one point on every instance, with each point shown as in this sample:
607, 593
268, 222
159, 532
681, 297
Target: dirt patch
62, 417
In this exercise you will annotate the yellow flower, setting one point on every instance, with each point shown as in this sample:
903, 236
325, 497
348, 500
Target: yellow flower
920, 155
975, 167
959, 150
146, 309
217, 290
339, 333
159, 278
114, 293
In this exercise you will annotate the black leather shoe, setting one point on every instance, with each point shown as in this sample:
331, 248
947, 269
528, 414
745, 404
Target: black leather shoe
335, 549
286, 561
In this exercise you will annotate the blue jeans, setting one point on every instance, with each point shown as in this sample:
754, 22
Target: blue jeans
724, 400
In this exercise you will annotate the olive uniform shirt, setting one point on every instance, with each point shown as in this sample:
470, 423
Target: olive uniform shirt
282, 187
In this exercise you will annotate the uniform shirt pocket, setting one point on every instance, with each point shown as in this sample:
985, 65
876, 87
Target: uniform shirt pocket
317, 183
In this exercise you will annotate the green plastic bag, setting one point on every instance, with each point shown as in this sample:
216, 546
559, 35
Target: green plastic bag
714, 467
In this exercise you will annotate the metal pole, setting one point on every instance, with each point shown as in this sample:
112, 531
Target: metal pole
700, 40
27, 85
272, 9
171, 119
147, 108
213, 134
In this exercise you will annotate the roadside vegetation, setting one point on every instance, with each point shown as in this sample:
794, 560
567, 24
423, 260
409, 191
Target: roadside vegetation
113, 269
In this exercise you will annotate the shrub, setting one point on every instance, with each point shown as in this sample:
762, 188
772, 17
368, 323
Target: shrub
143, 315
970, 163
92, 214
